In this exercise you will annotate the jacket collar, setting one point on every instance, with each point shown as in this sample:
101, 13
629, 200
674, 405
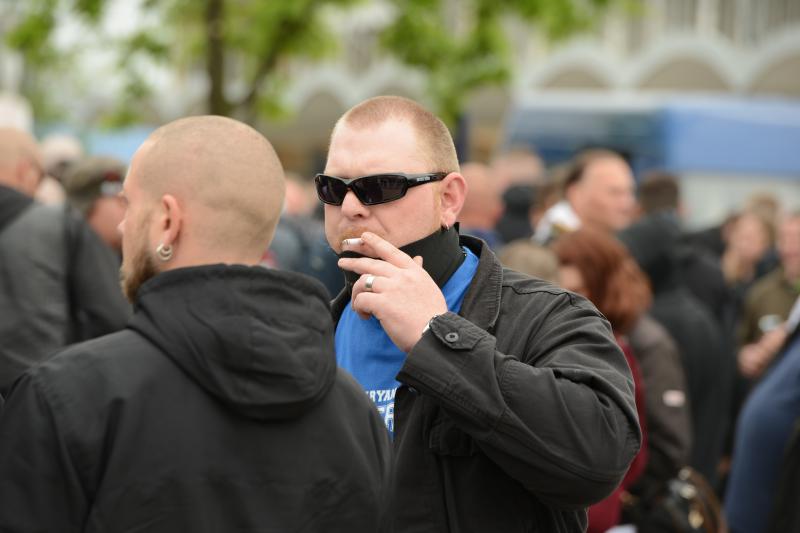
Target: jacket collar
12, 203
481, 303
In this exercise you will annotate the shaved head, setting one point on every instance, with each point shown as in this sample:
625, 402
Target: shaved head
225, 173
20, 160
434, 141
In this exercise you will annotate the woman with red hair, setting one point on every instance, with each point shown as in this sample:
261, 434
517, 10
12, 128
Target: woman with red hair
595, 265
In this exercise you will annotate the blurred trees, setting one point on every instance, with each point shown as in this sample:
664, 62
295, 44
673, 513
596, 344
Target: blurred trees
243, 48
464, 45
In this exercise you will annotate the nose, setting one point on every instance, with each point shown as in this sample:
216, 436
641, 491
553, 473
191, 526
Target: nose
352, 206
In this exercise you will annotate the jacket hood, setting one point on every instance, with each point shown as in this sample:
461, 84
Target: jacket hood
259, 340
653, 241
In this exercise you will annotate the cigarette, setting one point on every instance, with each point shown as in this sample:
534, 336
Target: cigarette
352, 242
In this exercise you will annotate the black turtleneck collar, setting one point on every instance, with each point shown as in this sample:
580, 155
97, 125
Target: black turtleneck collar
441, 256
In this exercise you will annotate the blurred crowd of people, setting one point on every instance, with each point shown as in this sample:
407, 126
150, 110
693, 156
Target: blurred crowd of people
703, 316
707, 320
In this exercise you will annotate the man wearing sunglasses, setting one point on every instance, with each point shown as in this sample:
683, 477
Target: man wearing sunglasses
510, 405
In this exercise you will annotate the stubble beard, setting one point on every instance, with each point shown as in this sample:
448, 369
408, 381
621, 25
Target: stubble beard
143, 267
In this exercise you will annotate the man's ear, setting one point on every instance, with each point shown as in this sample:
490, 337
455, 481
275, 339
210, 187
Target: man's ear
170, 221
453, 192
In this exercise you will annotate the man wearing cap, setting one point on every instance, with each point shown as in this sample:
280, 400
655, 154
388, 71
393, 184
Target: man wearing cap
58, 283
510, 403
93, 185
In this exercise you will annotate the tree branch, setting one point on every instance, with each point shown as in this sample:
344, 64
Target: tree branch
215, 58
269, 60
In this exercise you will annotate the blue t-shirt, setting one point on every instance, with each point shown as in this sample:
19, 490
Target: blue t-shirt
764, 428
367, 352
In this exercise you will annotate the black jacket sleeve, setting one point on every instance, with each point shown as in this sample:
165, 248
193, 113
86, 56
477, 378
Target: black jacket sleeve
559, 416
40, 489
97, 304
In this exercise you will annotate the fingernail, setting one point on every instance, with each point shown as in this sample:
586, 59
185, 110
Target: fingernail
352, 242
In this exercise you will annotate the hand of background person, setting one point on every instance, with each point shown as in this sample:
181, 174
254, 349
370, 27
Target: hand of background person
754, 358
403, 297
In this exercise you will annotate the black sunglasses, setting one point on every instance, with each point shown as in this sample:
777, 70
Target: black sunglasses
371, 190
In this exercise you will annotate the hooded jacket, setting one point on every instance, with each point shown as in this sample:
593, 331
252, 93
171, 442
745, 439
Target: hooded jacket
219, 408
654, 242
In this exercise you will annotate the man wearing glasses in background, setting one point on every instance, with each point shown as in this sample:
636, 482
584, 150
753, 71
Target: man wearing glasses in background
510, 405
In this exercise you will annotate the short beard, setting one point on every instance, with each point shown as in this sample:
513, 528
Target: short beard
143, 267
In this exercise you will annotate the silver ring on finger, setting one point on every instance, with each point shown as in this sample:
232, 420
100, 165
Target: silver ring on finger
368, 282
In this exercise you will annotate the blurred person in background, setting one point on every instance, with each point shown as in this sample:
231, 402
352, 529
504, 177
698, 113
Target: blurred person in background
748, 244
654, 242
59, 151
518, 166
219, 407
668, 414
762, 492
301, 196
510, 403
299, 244
668, 410
749, 255
289, 247
547, 196
750, 239
768, 302
552, 215
700, 271
524, 255
769, 207
483, 205
519, 173
785, 513
598, 193
597, 266
715, 239
93, 185
669, 422
593, 261
517, 221
58, 282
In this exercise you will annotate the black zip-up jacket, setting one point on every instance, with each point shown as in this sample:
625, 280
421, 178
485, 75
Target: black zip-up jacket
219, 409
512, 416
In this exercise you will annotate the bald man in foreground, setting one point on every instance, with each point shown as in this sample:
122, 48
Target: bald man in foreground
220, 406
